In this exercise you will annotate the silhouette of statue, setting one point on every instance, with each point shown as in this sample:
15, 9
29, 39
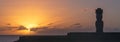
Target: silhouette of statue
99, 22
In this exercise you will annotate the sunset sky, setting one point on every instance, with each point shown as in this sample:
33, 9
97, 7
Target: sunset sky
47, 17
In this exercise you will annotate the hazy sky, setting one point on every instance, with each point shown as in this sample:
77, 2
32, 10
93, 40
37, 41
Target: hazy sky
57, 16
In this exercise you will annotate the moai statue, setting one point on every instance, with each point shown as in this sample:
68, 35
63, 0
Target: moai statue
99, 22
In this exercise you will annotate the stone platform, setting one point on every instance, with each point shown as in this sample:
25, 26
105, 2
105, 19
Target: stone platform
74, 37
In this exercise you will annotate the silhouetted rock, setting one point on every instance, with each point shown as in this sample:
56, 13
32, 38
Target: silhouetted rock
74, 37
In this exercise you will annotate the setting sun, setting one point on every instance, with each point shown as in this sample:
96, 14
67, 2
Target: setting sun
25, 32
29, 26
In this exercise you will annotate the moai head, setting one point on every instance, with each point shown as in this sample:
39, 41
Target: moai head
99, 11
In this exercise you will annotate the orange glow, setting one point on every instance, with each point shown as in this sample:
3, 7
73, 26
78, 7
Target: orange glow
29, 26
25, 32
18, 32
29, 17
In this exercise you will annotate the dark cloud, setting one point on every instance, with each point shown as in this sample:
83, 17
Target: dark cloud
1, 29
53, 31
5, 28
57, 30
76, 25
50, 23
12, 28
35, 29
48, 30
39, 28
8, 24
22, 28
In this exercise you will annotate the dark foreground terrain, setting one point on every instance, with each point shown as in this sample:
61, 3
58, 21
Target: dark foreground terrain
74, 37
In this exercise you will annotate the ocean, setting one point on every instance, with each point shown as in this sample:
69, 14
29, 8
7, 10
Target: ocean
8, 38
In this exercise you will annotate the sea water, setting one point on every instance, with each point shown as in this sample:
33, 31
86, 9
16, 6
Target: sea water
8, 38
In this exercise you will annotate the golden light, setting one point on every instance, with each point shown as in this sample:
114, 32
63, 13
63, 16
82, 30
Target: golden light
25, 32
28, 30
29, 26
29, 16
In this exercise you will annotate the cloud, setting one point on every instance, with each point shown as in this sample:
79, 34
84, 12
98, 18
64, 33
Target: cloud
50, 23
39, 28
5, 28
12, 28
77, 27
22, 28
48, 30
57, 31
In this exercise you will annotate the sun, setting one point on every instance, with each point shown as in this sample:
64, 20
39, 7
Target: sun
29, 26
27, 31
